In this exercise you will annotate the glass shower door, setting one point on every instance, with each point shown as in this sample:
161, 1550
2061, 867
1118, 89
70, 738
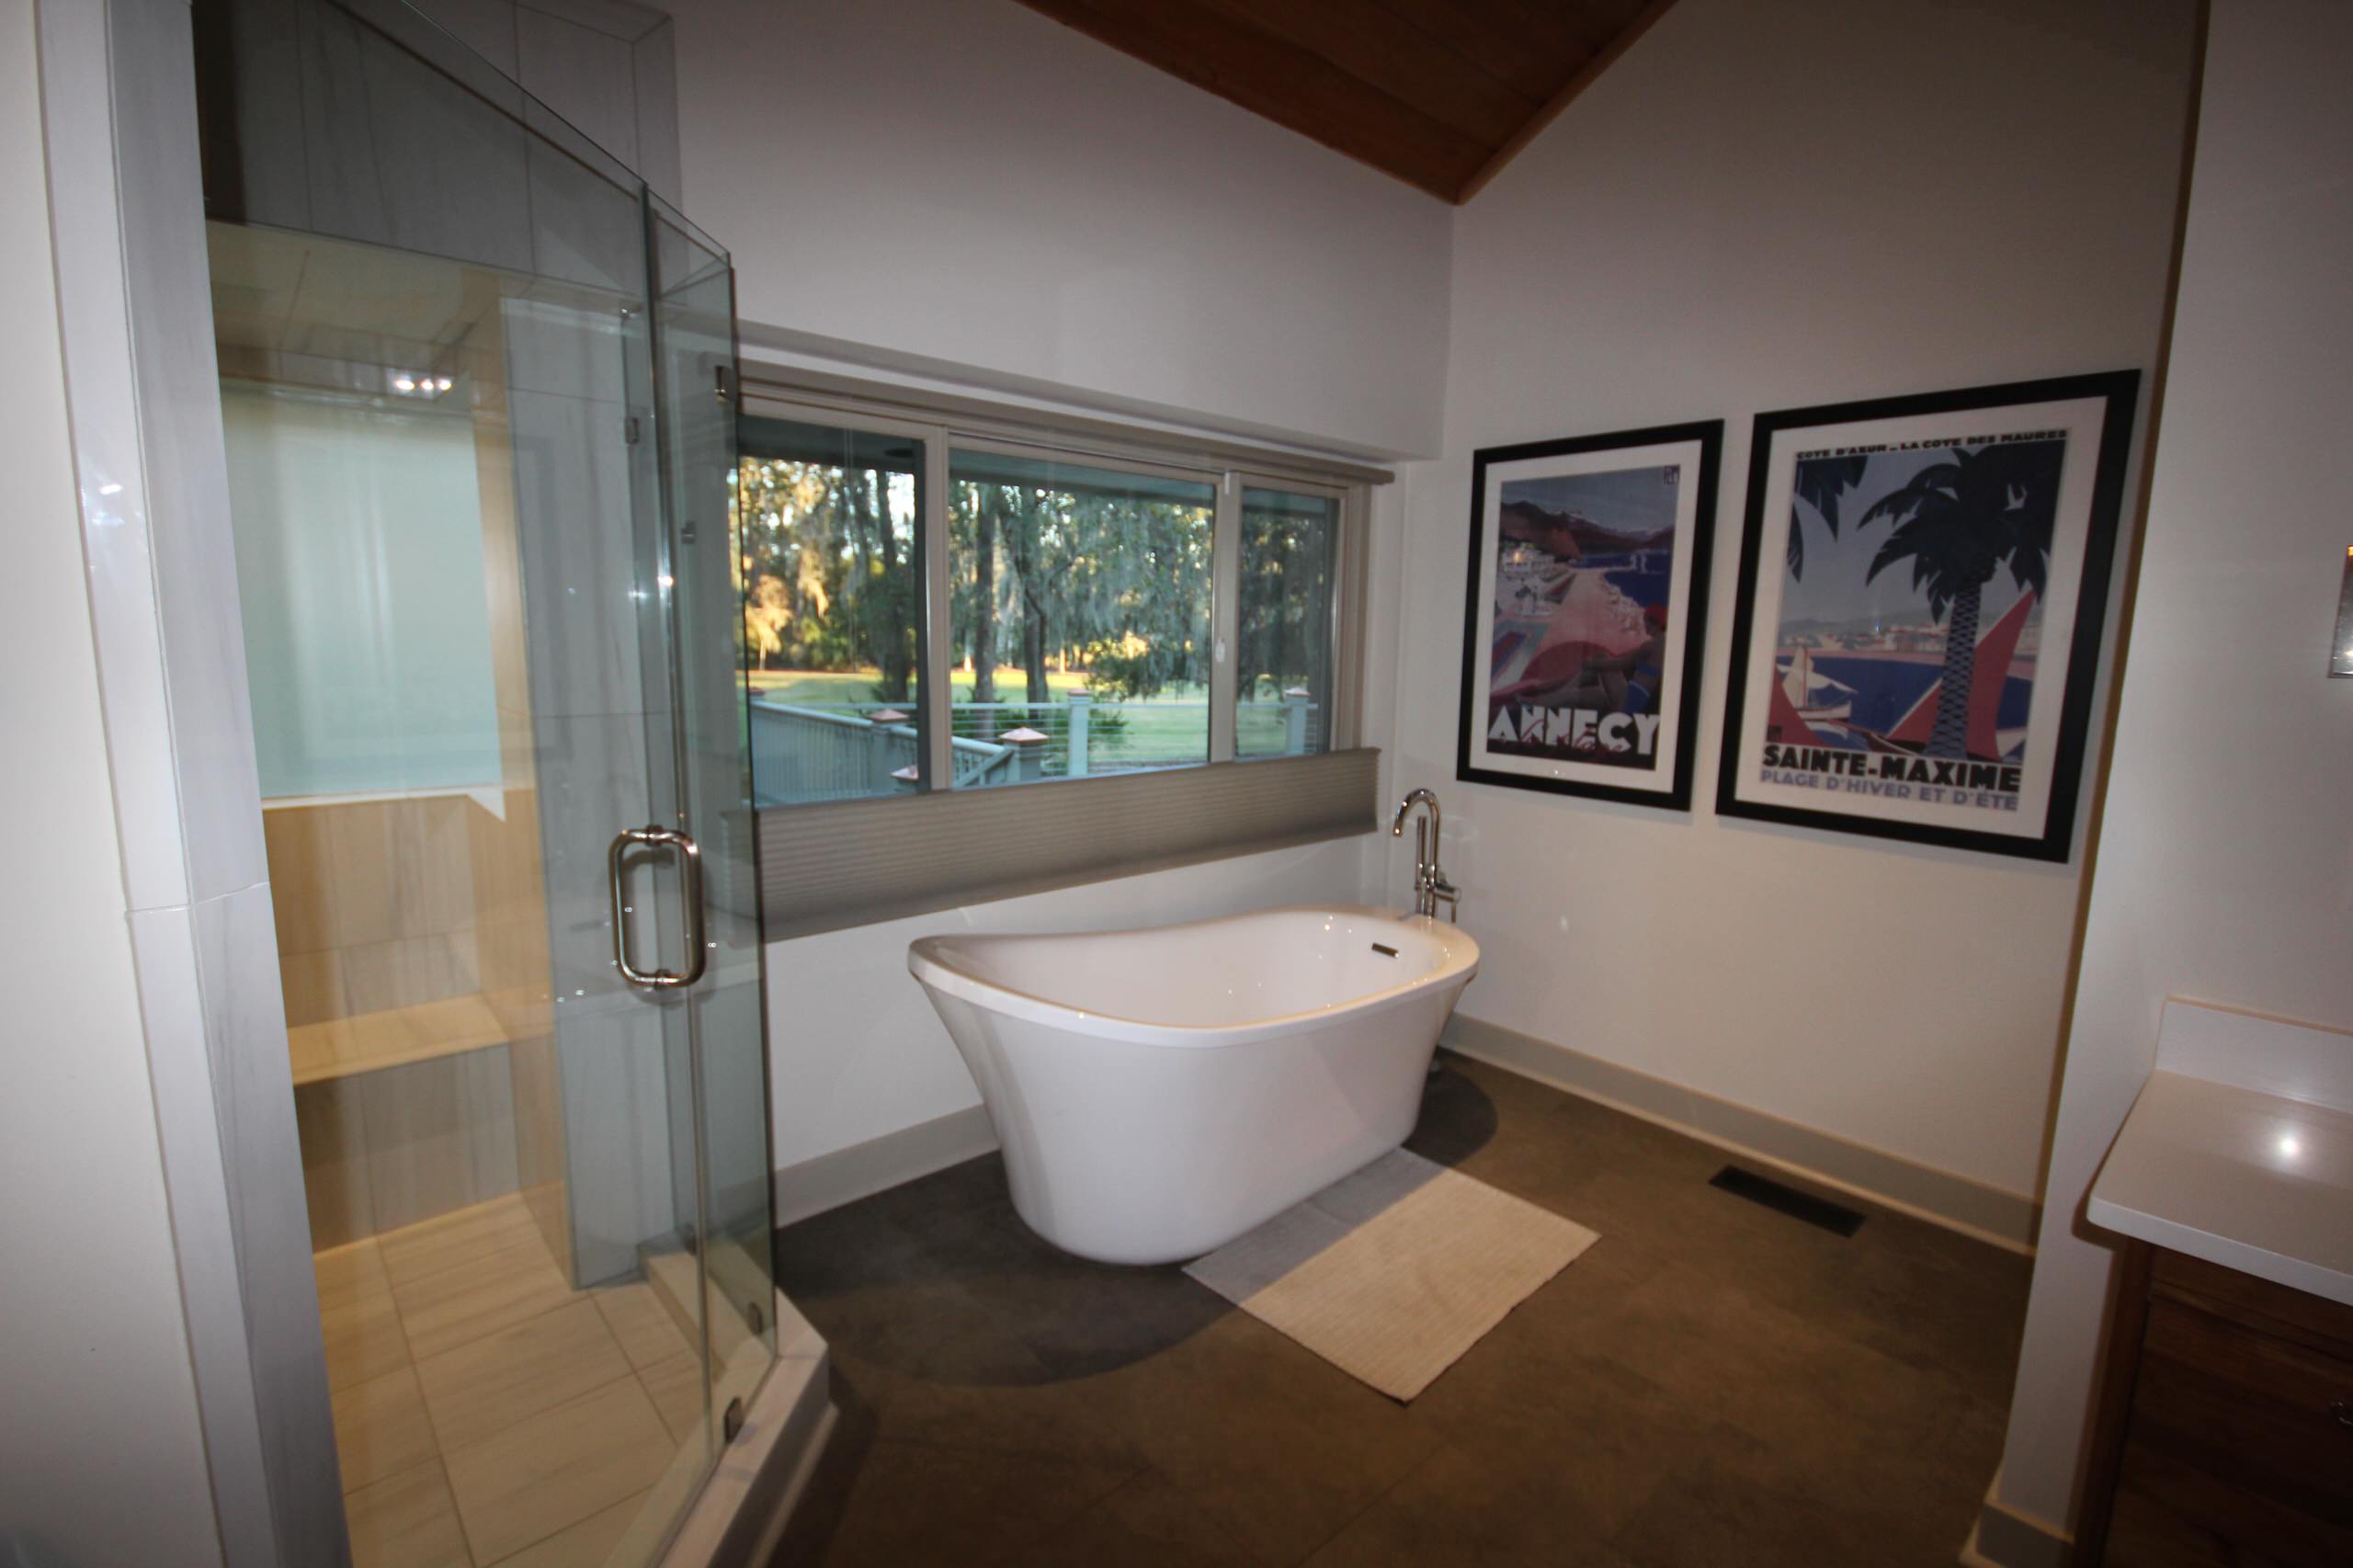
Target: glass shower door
722, 1023
479, 391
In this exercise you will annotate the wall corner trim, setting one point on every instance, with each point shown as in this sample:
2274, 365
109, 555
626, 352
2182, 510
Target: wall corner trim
2007, 1220
134, 308
829, 1181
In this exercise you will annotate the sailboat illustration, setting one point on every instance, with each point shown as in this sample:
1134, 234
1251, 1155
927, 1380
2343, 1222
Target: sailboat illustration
1816, 698
1802, 698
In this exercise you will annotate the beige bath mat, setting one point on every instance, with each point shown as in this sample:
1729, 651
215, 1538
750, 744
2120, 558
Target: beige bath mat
1393, 1273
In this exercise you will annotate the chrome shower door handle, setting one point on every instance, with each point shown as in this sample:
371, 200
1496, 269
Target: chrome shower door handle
690, 895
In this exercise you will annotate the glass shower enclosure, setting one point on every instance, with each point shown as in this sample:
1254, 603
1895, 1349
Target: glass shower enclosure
477, 388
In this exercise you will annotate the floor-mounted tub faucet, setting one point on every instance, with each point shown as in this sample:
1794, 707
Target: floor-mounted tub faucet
1430, 886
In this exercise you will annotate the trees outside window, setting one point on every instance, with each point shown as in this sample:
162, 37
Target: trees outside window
1078, 637
1095, 585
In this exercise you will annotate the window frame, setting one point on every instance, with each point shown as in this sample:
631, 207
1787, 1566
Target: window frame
945, 424
883, 858
837, 864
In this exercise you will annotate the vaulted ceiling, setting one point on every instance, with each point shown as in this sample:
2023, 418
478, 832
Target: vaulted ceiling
1440, 93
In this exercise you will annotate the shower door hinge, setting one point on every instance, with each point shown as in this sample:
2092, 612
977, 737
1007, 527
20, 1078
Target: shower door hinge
630, 430
722, 383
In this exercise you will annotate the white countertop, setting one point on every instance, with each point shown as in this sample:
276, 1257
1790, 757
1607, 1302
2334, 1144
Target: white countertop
2252, 1181
2240, 1150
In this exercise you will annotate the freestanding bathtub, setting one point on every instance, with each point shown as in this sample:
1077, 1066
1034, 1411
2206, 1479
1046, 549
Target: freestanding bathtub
1159, 1092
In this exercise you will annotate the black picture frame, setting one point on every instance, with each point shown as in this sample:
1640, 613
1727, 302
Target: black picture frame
1677, 699
1742, 785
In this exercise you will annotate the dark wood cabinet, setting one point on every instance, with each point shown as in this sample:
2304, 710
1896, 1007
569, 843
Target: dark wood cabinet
2224, 1430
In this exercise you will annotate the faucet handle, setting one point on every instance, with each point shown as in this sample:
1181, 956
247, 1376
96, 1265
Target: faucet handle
1440, 890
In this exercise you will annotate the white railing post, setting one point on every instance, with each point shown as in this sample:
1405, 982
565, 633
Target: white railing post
1029, 753
1082, 703
767, 771
1295, 720
882, 718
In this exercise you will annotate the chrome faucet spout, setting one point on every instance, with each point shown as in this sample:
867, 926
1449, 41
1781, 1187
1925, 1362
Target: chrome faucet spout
1430, 885
1405, 808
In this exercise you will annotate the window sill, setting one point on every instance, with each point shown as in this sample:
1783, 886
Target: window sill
845, 863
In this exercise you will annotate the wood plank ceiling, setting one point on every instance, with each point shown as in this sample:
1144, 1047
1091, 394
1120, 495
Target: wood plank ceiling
1440, 93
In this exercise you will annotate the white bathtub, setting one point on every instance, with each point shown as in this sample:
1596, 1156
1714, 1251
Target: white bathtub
1159, 1092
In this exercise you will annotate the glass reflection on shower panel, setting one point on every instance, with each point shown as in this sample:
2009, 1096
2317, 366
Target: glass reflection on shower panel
1289, 570
694, 335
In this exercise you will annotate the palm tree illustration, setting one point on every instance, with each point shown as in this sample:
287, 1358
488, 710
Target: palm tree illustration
1958, 522
1821, 480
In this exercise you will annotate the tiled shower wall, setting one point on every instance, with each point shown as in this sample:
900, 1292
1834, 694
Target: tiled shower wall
375, 904
509, 879
391, 904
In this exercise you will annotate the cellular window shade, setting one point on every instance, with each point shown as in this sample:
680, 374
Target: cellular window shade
856, 862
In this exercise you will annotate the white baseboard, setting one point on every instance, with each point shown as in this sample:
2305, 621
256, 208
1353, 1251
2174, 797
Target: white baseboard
2004, 1219
864, 1169
2007, 1220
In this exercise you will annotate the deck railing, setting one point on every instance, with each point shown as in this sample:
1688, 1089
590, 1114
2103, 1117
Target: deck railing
804, 752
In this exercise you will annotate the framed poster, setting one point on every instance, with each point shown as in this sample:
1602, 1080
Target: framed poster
1587, 595
1922, 582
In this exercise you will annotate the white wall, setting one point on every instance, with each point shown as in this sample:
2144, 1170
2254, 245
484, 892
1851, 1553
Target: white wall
101, 1459
1763, 207
2225, 860
964, 190
967, 182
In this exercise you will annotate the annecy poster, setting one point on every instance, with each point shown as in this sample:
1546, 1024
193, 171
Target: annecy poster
1909, 644
1581, 631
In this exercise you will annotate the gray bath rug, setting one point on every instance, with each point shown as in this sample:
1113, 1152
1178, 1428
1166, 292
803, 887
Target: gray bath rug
1393, 1273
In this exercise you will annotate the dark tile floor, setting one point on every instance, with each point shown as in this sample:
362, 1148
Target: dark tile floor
1712, 1383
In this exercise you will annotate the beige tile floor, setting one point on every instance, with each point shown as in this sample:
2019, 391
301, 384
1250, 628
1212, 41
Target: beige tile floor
487, 1414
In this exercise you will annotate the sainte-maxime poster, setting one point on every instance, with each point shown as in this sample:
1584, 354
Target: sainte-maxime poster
1588, 593
1922, 584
